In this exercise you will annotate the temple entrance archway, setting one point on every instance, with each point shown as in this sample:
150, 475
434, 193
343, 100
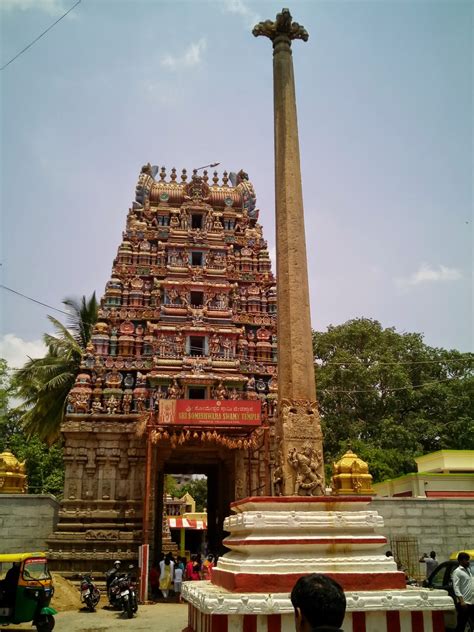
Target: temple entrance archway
218, 466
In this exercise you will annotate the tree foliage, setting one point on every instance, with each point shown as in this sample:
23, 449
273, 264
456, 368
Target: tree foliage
171, 486
198, 490
44, 383
44, 464
390, 396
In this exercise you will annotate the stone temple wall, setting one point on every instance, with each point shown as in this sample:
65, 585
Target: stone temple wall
414, 526
26, 520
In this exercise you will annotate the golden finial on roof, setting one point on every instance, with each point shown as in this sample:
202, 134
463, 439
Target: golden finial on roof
12, 474
351, 476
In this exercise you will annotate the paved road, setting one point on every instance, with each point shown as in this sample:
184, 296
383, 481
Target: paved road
163, 617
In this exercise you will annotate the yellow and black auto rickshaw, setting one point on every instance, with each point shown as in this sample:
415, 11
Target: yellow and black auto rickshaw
26, 588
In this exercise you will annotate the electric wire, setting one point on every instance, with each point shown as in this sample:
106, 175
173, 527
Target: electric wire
387, 390
39, 36
34, 300
317, 364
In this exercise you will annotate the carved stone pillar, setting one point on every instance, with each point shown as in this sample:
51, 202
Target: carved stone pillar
240, 470
298, 421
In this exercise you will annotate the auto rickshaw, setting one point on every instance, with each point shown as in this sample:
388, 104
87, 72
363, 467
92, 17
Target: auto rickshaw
26, 588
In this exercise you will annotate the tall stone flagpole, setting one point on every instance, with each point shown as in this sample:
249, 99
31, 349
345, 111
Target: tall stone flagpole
300, 463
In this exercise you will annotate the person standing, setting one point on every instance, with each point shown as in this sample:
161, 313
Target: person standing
178, 580
166, 575
154, 579
463, 586
430, 561
207, 567
193, 569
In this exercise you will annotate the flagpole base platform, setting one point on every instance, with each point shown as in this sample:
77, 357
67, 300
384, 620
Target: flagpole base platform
213, 609
275, 540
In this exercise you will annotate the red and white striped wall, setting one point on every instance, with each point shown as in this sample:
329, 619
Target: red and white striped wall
389, 621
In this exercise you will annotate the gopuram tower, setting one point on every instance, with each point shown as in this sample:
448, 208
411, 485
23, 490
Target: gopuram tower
180, 374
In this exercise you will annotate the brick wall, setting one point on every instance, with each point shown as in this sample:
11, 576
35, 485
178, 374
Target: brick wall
26, 520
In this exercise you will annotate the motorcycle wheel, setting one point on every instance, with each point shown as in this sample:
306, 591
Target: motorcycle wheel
46, 623
134, 603
129, 608
90, 604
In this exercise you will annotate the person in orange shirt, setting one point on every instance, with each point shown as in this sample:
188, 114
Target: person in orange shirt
207, 567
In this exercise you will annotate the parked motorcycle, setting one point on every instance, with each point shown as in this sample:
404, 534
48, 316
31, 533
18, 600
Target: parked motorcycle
123, 595
90, 594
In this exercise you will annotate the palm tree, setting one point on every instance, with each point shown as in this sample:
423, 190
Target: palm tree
44, 383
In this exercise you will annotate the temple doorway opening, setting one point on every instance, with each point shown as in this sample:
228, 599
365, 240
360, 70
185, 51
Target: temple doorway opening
184, 529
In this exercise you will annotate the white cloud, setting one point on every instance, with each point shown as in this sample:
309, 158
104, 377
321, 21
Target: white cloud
427, 273
54, 8
238, 7
164, 93
192, 56
16, 351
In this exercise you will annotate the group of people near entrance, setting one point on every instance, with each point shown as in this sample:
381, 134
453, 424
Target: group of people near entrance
168, 574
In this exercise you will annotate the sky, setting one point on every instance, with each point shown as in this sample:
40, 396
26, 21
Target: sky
384, 97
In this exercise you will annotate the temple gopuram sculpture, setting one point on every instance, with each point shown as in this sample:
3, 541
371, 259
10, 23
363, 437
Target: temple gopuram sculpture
187, 323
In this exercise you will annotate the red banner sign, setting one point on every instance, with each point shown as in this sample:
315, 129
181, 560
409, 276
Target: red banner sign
209, 412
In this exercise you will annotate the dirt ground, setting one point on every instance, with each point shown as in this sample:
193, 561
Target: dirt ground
71, 617
162, 617
66, 595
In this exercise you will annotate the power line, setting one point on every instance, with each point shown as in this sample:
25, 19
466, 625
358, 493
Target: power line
386, 390
349, 362
34, 300
379, 362
39, 36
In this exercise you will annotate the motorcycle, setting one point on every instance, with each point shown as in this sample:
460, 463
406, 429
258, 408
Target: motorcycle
122, 594
90, 594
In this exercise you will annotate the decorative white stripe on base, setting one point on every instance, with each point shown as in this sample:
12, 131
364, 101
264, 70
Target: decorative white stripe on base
287, 623
212, 599
405, 622
365, 622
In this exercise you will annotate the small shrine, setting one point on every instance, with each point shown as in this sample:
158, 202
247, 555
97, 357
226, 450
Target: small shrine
13, 479
351, 476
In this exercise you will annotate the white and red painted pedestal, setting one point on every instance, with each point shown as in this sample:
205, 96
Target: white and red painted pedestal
275, 540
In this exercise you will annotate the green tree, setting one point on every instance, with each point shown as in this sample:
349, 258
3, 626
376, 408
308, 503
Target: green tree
6, 415
390, 396
44, 383
44, 464
171, 486
198, 490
